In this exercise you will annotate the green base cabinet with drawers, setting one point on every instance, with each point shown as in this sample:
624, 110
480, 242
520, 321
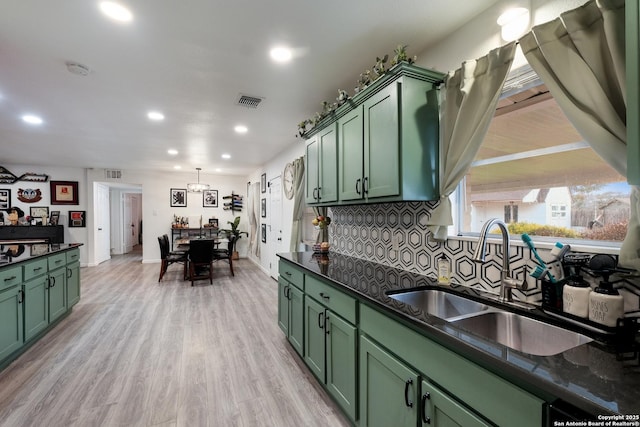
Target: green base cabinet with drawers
11, 298
290, 305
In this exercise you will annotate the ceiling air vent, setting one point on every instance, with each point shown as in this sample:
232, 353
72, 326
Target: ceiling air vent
249, 101
113, 174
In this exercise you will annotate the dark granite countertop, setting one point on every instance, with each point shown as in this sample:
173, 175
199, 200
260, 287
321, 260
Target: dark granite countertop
29, 251
588, 376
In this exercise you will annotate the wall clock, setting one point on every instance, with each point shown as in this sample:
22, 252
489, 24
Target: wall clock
287, 180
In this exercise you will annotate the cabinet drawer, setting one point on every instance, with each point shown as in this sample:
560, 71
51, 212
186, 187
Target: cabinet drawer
292, 274
10, 277
73, 255
332, 298
57, 261
34, 268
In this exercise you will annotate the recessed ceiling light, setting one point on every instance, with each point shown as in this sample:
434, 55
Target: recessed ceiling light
177, 167
172, 151
281, 54
218, 170
31, 119
155, 116
226, 156
241, 129
116, 11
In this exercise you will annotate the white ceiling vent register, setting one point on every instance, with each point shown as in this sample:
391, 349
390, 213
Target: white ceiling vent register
113, 173
249, 101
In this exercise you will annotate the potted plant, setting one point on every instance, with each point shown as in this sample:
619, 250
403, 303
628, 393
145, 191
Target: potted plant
233, 231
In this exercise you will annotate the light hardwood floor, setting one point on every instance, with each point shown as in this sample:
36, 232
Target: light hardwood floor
135, 352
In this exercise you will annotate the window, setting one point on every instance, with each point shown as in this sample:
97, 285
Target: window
535, 170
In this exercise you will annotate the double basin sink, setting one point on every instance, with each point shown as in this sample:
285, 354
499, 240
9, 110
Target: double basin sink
510, 329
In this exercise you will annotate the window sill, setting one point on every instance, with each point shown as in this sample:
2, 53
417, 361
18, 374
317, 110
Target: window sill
606, 248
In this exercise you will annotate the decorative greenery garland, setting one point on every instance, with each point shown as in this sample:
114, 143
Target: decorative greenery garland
366, 78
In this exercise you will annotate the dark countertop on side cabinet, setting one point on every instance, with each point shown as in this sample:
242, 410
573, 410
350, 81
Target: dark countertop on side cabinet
588, 376
34, 251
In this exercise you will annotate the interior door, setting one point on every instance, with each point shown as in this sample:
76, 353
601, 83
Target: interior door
128, 227
102, 234
274, 218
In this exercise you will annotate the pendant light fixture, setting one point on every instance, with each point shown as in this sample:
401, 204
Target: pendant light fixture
197, 187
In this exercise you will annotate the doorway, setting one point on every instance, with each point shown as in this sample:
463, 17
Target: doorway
274, 235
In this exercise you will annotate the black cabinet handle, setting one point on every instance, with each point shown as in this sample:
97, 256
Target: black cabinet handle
324, 296
408, 401
358, 186
315, 193
20, 296
53, 282
69, 273
319, 197
8, 279
287, 273
286, 292
321, 320
365, 185
37, 269
425, 418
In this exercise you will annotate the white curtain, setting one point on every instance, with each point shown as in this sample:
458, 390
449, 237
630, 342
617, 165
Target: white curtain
253, 209
470, 98
580, 56
298, 204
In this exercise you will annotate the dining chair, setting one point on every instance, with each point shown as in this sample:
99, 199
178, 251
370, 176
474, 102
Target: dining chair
201, 260
225, 254
169, 258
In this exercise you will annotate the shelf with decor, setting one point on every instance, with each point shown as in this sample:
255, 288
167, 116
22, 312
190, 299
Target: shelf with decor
232, 202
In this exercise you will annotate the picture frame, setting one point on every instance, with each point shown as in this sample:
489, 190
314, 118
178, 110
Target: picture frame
210, 198
54, 218
38, 212
64, 192
77, 218
213, 222
264, 233
263, 183
5, 199
178, 197
263, 208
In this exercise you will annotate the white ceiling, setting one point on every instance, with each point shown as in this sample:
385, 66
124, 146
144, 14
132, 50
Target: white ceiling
191, 60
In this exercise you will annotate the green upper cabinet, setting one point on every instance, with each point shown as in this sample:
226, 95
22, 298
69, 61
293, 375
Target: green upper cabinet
321, 167
388, 140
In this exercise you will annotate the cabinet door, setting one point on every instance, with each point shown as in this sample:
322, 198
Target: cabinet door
382, 144
296, 319
388, 389
328, 167
314, 346
439, 410
341, 362
36, 306
283, 305
312, 161
350, 159
11, 332
73, 284
57, 293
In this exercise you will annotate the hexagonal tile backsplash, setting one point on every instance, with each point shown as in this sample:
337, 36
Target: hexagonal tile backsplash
373, 231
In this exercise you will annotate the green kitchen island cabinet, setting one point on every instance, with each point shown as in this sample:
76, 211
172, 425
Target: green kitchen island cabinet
321, 167
331, 341
35, 293
11, 312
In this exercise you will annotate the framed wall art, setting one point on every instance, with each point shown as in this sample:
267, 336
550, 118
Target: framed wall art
264, 233
263, 208
263, 183
178, 197
5, 199
64, 192
210, 198
77, 218
54, 218
39, 211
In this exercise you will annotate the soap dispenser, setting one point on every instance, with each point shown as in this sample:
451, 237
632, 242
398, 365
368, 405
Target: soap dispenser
575, 297
606, 305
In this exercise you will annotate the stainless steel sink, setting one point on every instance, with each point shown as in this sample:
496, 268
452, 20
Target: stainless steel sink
439, 303
522, 333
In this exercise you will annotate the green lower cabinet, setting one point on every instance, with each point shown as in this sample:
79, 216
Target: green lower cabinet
11, 327
73, 284
36, 306
388, 389
330, 353
283, 306
439, 410
290, 314
57, 293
